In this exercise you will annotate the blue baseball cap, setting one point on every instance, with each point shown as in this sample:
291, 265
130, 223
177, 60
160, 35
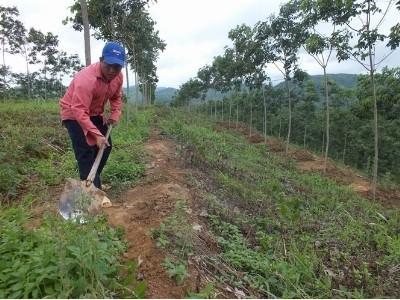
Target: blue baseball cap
114, 53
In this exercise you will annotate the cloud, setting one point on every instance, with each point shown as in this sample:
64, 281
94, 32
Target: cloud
195, 32
199, 31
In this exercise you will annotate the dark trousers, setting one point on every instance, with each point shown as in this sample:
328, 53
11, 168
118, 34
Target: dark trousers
85, 154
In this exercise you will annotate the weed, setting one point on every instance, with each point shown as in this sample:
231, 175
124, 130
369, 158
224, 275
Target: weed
176, 269
205, 293
59, 259
130, 287
175, 232
175, 235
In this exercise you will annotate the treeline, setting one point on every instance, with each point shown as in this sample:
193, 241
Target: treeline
125, 21
349, 124
128, 22
40, 51
351, 119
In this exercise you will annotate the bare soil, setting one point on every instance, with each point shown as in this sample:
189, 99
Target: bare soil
144, 207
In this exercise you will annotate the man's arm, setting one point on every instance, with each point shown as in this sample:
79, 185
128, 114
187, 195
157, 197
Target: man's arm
116, 105
81, 101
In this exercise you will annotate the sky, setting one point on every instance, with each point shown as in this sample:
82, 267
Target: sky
195, 31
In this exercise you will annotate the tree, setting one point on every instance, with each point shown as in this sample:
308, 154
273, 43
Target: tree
281, 37
249, 63
187, 91
358, 17
128, 22
46, 45
86, 31
204, 74
12, 33
320, 48
394, 37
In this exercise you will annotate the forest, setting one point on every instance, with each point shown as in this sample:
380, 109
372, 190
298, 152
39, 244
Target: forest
357, 126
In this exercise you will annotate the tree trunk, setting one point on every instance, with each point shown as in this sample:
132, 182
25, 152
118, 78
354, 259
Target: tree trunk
222, 112
280, 126
251, 116
372, 76
4, 66
230, 112
305, 136
148, 101
237, 113
271, 128
327, 120
136, 90
265, 117
45, 82
145, 94
128, 107
290, 117
61, 88
28, 77
375, 168
344, 148
112, 19
86, 31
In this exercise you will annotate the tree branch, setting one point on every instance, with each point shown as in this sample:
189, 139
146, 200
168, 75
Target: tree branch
384, 15
386, 56
316, 58
280, 70
348, 25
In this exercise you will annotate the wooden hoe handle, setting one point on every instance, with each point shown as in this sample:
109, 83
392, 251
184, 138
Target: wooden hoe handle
96, 163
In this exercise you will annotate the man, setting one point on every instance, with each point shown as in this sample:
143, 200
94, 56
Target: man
82, 108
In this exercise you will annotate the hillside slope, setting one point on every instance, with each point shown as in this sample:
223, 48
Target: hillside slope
200, 210
278, 230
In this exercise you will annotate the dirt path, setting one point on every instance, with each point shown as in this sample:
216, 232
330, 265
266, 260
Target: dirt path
144, 207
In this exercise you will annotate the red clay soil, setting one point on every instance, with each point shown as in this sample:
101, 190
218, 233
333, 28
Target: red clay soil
309, 162
144, 207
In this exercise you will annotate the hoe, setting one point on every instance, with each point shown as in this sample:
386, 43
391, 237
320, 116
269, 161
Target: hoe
80, 198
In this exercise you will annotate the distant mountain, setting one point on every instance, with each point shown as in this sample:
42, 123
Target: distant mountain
163, 94
342, 79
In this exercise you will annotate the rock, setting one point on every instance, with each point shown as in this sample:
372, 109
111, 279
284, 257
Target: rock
197, 227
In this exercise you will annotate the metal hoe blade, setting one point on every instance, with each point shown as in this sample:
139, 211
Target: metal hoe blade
78, 199
82, 197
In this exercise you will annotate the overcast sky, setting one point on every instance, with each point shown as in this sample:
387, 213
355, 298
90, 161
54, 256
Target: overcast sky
194, 30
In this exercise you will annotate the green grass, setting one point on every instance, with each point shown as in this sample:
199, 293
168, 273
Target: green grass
288, 233
175, 236
37, 152
59, 259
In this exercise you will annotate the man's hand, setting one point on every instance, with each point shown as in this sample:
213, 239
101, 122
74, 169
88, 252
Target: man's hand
111, 121
101, 140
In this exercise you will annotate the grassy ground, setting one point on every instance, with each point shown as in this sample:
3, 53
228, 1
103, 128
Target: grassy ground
58, 258
288, 233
